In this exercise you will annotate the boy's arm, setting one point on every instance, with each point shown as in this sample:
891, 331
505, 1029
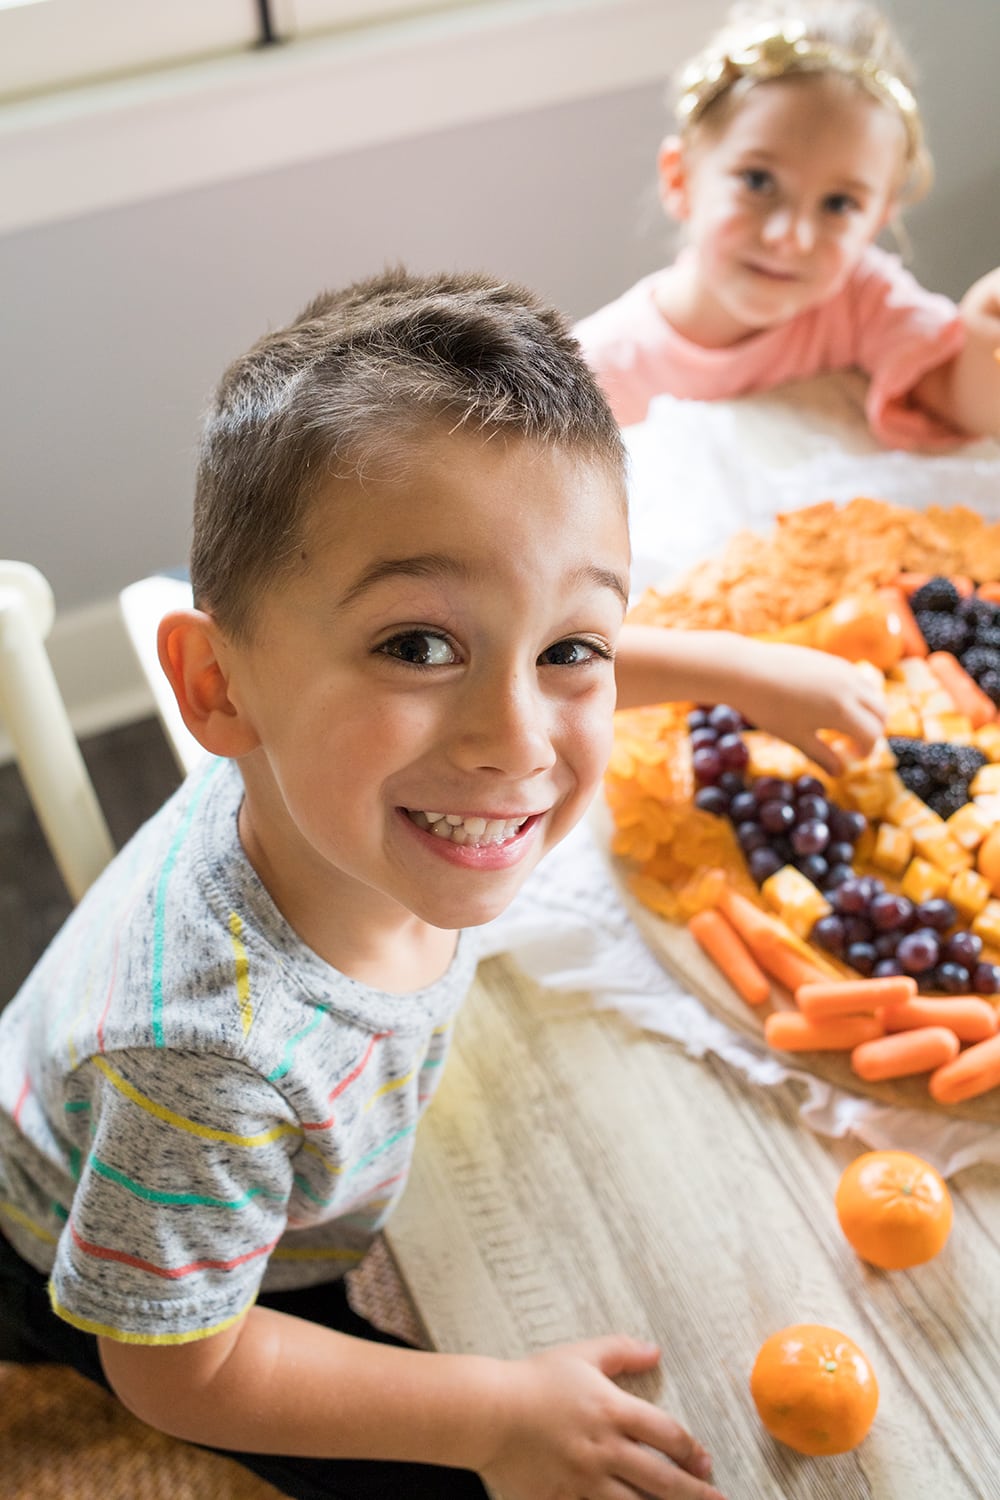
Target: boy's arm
791, 691
554, 1423
966, 390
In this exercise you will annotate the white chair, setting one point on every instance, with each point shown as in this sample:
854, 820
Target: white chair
45, 745
143, 605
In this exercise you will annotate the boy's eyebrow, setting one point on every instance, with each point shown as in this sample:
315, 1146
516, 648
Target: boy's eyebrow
436, 565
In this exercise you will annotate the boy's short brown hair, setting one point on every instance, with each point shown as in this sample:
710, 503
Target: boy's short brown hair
348, 385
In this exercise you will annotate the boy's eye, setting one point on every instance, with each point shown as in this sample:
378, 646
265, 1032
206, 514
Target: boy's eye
420, 648
840, 204
757, 179
573, 653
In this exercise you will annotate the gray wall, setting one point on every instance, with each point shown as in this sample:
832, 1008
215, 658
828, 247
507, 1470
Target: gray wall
116, 326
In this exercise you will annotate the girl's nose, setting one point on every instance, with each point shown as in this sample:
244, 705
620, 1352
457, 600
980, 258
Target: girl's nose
788, 225
504, 728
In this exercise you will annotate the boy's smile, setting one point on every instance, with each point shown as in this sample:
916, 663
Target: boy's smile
431, 691
781, 199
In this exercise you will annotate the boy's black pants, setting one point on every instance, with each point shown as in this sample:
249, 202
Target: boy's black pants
30, 1330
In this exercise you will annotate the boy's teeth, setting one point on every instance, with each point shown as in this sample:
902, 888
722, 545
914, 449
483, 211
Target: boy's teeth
459, 830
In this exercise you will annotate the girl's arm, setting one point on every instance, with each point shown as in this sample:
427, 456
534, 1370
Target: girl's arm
791, 691
552, 1424
966, 390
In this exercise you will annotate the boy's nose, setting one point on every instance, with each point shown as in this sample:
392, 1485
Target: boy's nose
505, 728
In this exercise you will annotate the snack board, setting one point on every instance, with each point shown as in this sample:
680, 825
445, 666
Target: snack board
838, 578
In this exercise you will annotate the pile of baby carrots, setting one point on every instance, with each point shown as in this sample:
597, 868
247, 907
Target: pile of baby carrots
890, 1030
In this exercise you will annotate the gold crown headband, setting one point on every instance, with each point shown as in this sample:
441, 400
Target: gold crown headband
765, 54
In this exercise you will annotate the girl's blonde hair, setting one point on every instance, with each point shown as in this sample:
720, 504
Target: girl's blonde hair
767, 39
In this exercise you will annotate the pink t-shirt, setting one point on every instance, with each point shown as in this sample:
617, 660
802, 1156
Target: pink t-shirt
883, 322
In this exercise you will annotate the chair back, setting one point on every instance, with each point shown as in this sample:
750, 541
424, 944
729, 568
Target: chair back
46, 748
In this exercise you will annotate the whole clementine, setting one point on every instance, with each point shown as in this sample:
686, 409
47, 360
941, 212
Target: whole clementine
814, 1390
895, 1209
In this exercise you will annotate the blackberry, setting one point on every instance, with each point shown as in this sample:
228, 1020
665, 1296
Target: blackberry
905, 750
989, 681
979, 659
968, 760
916, 780
938, 760
938, 594
948, 799
988, 636
977, 611
943, 632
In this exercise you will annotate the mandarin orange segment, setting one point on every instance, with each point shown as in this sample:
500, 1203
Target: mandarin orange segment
814, 1390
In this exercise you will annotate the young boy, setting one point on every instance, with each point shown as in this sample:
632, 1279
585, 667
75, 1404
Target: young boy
410, 567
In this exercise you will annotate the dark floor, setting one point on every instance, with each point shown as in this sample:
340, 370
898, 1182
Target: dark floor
133, 773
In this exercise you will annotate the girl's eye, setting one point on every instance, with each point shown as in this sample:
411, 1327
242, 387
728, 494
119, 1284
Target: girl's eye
573, 653
756, 179
420, 648
841, 204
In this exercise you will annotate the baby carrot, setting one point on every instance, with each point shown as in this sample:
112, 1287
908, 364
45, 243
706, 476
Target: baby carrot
789, 1031
786, 966
971, 1073
904, 1053
767, 937
912, 636
730, 954
971, 1019
965, 692
853, 997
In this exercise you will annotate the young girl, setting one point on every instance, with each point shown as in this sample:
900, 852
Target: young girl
799, 140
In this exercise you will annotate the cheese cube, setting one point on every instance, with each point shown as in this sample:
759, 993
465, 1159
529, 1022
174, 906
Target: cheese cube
955, 728
969, 892
986, 924
893, 848
873, 793
969, 826
923, 881
772, 757
987, 739
986, 780
937, 846
910, 811
902, 719
797, 901
916, 674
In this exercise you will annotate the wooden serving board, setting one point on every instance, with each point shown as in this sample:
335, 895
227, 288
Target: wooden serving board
677, 950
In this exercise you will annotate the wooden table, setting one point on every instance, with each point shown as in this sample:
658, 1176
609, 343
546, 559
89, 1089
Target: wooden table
575, 1177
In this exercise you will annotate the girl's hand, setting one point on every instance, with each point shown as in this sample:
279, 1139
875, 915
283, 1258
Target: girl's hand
792, 691
567, 1432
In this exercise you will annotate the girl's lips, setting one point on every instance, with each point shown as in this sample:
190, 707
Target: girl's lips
770, 273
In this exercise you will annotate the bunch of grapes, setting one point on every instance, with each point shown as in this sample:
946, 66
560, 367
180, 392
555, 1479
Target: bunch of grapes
880, 933
718, 755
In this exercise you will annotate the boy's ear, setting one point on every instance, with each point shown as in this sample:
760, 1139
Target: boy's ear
673, 177
194, 657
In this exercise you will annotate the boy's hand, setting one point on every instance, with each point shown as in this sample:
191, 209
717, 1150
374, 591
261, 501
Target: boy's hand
792, 691
567, 1432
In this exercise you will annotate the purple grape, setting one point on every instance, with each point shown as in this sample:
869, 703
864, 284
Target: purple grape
813, 867
810, 837
888, 912
862, 956
712, 799
743, 807
725, 719
919, 951
886, 944
847, 825
837, 876
852, 896
697, 719
734, 753
839, 852
812, 807
873, 886
772, 789
858, 929
764, 862
951, 978
809, 786
886, 968
964, 948
732, 782
707, 765
777, 817
750, 836
829, 933
937, 913
986, 979
702, 737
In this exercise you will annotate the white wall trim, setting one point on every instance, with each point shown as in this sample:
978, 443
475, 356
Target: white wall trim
87, 149
97, 672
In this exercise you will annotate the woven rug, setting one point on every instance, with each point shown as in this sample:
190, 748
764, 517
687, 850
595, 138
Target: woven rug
63, 1438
